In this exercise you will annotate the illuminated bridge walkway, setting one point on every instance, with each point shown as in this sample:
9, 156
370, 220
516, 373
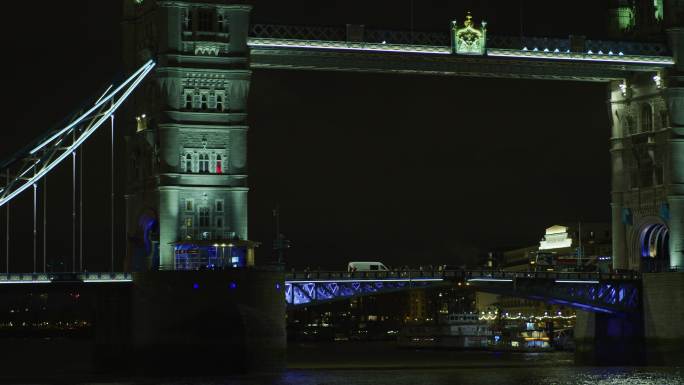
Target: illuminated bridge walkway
596, 292
358, 49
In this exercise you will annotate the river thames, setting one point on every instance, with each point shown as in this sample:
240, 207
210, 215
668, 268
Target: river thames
384, 364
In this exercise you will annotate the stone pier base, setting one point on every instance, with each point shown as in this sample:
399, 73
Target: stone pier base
654, 336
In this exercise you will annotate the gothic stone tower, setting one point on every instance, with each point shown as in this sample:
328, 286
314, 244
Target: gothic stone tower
187, 134
647, 148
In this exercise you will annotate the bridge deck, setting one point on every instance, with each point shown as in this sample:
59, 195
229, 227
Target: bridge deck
597, 292
328, 49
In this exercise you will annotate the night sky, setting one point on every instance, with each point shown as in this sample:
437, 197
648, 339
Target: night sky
404, 169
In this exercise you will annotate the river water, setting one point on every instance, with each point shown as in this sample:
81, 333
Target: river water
384, 364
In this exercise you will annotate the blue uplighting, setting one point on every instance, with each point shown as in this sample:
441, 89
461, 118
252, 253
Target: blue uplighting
195, 285
232, 285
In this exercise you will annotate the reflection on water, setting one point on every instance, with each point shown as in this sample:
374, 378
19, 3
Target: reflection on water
384, 364
465, 376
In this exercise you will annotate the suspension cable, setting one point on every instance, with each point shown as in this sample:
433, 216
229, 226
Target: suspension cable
35, 229
112, 196
80, 211
45, 224
73, 210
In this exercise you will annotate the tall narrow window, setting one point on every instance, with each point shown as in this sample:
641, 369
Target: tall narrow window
187, 20
219, 222
188, 101
646, 118
221, 23
204, 101
204, 163
206, 20
188, 163
204, 216
219, 164
188, 205
219, 102
219, 206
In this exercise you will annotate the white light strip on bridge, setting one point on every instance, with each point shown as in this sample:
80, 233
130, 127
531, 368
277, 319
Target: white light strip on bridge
367, 280
574, 281
102, 100
347, 46
493, 52
490, 280
147, 68
107, 280
631, 59
24, 282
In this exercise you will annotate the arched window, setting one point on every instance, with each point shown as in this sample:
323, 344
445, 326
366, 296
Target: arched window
219, 164
219, 103
646, 118
204, 163
204, 101
188, 163
188, 101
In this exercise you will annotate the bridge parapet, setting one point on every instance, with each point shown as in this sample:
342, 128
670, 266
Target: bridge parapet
443, 39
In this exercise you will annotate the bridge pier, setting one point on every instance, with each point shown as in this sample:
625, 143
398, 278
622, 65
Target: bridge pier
608, 339
177, 322
652, 336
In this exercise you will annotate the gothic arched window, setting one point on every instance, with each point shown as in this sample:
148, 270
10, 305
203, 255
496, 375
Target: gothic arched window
188, 163
219, 164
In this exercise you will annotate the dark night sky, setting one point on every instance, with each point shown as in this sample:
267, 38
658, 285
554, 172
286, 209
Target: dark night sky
407, 169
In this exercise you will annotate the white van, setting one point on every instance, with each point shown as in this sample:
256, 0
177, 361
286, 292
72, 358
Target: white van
366, 266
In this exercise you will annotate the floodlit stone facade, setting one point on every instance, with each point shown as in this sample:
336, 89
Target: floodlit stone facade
187, 153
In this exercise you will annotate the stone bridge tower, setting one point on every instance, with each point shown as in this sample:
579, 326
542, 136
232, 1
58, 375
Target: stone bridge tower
187, 132
647, 151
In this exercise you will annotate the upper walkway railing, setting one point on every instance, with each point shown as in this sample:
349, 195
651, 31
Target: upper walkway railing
441, 39
464, 275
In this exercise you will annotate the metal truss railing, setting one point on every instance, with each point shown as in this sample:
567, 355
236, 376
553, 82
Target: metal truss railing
598, 292
299, 293
28, 167
440, 39
469, 275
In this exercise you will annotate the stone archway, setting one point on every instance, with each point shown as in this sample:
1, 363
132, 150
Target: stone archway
649, 247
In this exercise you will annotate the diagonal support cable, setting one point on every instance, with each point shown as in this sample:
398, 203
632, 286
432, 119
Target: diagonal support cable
38, 162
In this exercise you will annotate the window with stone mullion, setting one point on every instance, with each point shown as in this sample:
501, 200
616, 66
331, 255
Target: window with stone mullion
204, 217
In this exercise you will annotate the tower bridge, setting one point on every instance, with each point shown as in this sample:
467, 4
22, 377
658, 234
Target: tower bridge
187, 181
